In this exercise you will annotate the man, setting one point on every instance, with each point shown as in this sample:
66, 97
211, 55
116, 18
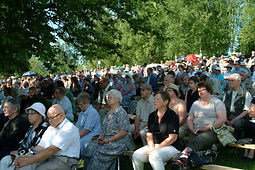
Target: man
152, 79
237, 102
237, 67
14, 130
247, 83
143, 109
59, 146
101, 105
104, 88
168, 79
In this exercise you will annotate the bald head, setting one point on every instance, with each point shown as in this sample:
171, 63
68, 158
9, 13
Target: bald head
56, 114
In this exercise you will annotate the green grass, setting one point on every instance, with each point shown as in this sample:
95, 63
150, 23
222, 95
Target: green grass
228, 156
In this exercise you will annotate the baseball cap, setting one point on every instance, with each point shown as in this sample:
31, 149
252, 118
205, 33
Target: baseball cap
38, 107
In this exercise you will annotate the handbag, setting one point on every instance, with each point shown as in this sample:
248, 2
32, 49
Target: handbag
223, 133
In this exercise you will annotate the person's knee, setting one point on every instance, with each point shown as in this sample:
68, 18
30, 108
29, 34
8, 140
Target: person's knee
155, 155
137, 157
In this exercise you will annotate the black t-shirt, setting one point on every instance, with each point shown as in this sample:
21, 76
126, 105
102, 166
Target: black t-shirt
169, 124
191, 98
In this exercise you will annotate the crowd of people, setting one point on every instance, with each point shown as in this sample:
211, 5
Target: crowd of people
50, 122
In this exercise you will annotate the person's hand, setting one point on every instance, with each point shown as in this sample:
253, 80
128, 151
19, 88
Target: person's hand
22, 161
148, 152
102, 141
136, 133
232, 122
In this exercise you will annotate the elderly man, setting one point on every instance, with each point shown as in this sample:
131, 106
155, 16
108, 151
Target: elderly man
59, 146
168, 79
237, 102
143, 109
247, 83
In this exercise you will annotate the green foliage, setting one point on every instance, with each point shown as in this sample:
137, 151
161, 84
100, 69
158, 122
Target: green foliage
60, 33
247, 36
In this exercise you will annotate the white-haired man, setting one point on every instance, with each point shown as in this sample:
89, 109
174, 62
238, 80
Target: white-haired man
237, 101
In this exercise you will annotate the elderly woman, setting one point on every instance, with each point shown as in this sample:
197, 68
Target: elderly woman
88, 120
14, 130
60, 94
36, 115
202, 113
128, 90
113, 140
249, 131
162, 135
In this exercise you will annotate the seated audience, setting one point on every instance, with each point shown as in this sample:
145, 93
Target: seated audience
202, 113
113, 140
36, 116
59, 147
60, 94
88, 121
162, 135
14, 130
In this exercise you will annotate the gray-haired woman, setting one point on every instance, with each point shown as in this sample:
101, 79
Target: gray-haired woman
113, 140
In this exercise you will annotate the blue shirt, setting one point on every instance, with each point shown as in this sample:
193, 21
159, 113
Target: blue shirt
89, 120
234, 70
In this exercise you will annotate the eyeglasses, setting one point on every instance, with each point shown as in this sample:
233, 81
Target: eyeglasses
201, 90
51, 118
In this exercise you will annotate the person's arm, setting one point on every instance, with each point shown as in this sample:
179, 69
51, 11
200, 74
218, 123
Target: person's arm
137, 124
248, 99
116, 137
83, 132
40, 156
182, 113
190, 124
98, 105
150, 141
221, 118
168, 141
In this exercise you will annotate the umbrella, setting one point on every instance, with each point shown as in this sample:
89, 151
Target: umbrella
119, 68
192, 59
29, 74
181, 58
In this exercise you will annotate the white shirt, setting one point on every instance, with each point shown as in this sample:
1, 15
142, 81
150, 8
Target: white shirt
66, 137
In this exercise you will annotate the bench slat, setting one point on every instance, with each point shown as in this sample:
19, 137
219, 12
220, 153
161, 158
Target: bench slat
217, 167
246, 146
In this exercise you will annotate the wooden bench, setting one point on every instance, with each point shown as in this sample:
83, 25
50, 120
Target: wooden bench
217, 167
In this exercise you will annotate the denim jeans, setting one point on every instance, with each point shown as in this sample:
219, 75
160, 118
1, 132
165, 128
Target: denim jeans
156, 158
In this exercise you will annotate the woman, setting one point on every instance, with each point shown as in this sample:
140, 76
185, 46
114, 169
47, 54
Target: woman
113, 140
162, 136
88, 121
249, 131
36, 115
202, 113
128, 90
60, 94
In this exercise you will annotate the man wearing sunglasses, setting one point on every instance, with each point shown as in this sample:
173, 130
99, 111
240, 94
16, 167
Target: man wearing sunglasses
59, 147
